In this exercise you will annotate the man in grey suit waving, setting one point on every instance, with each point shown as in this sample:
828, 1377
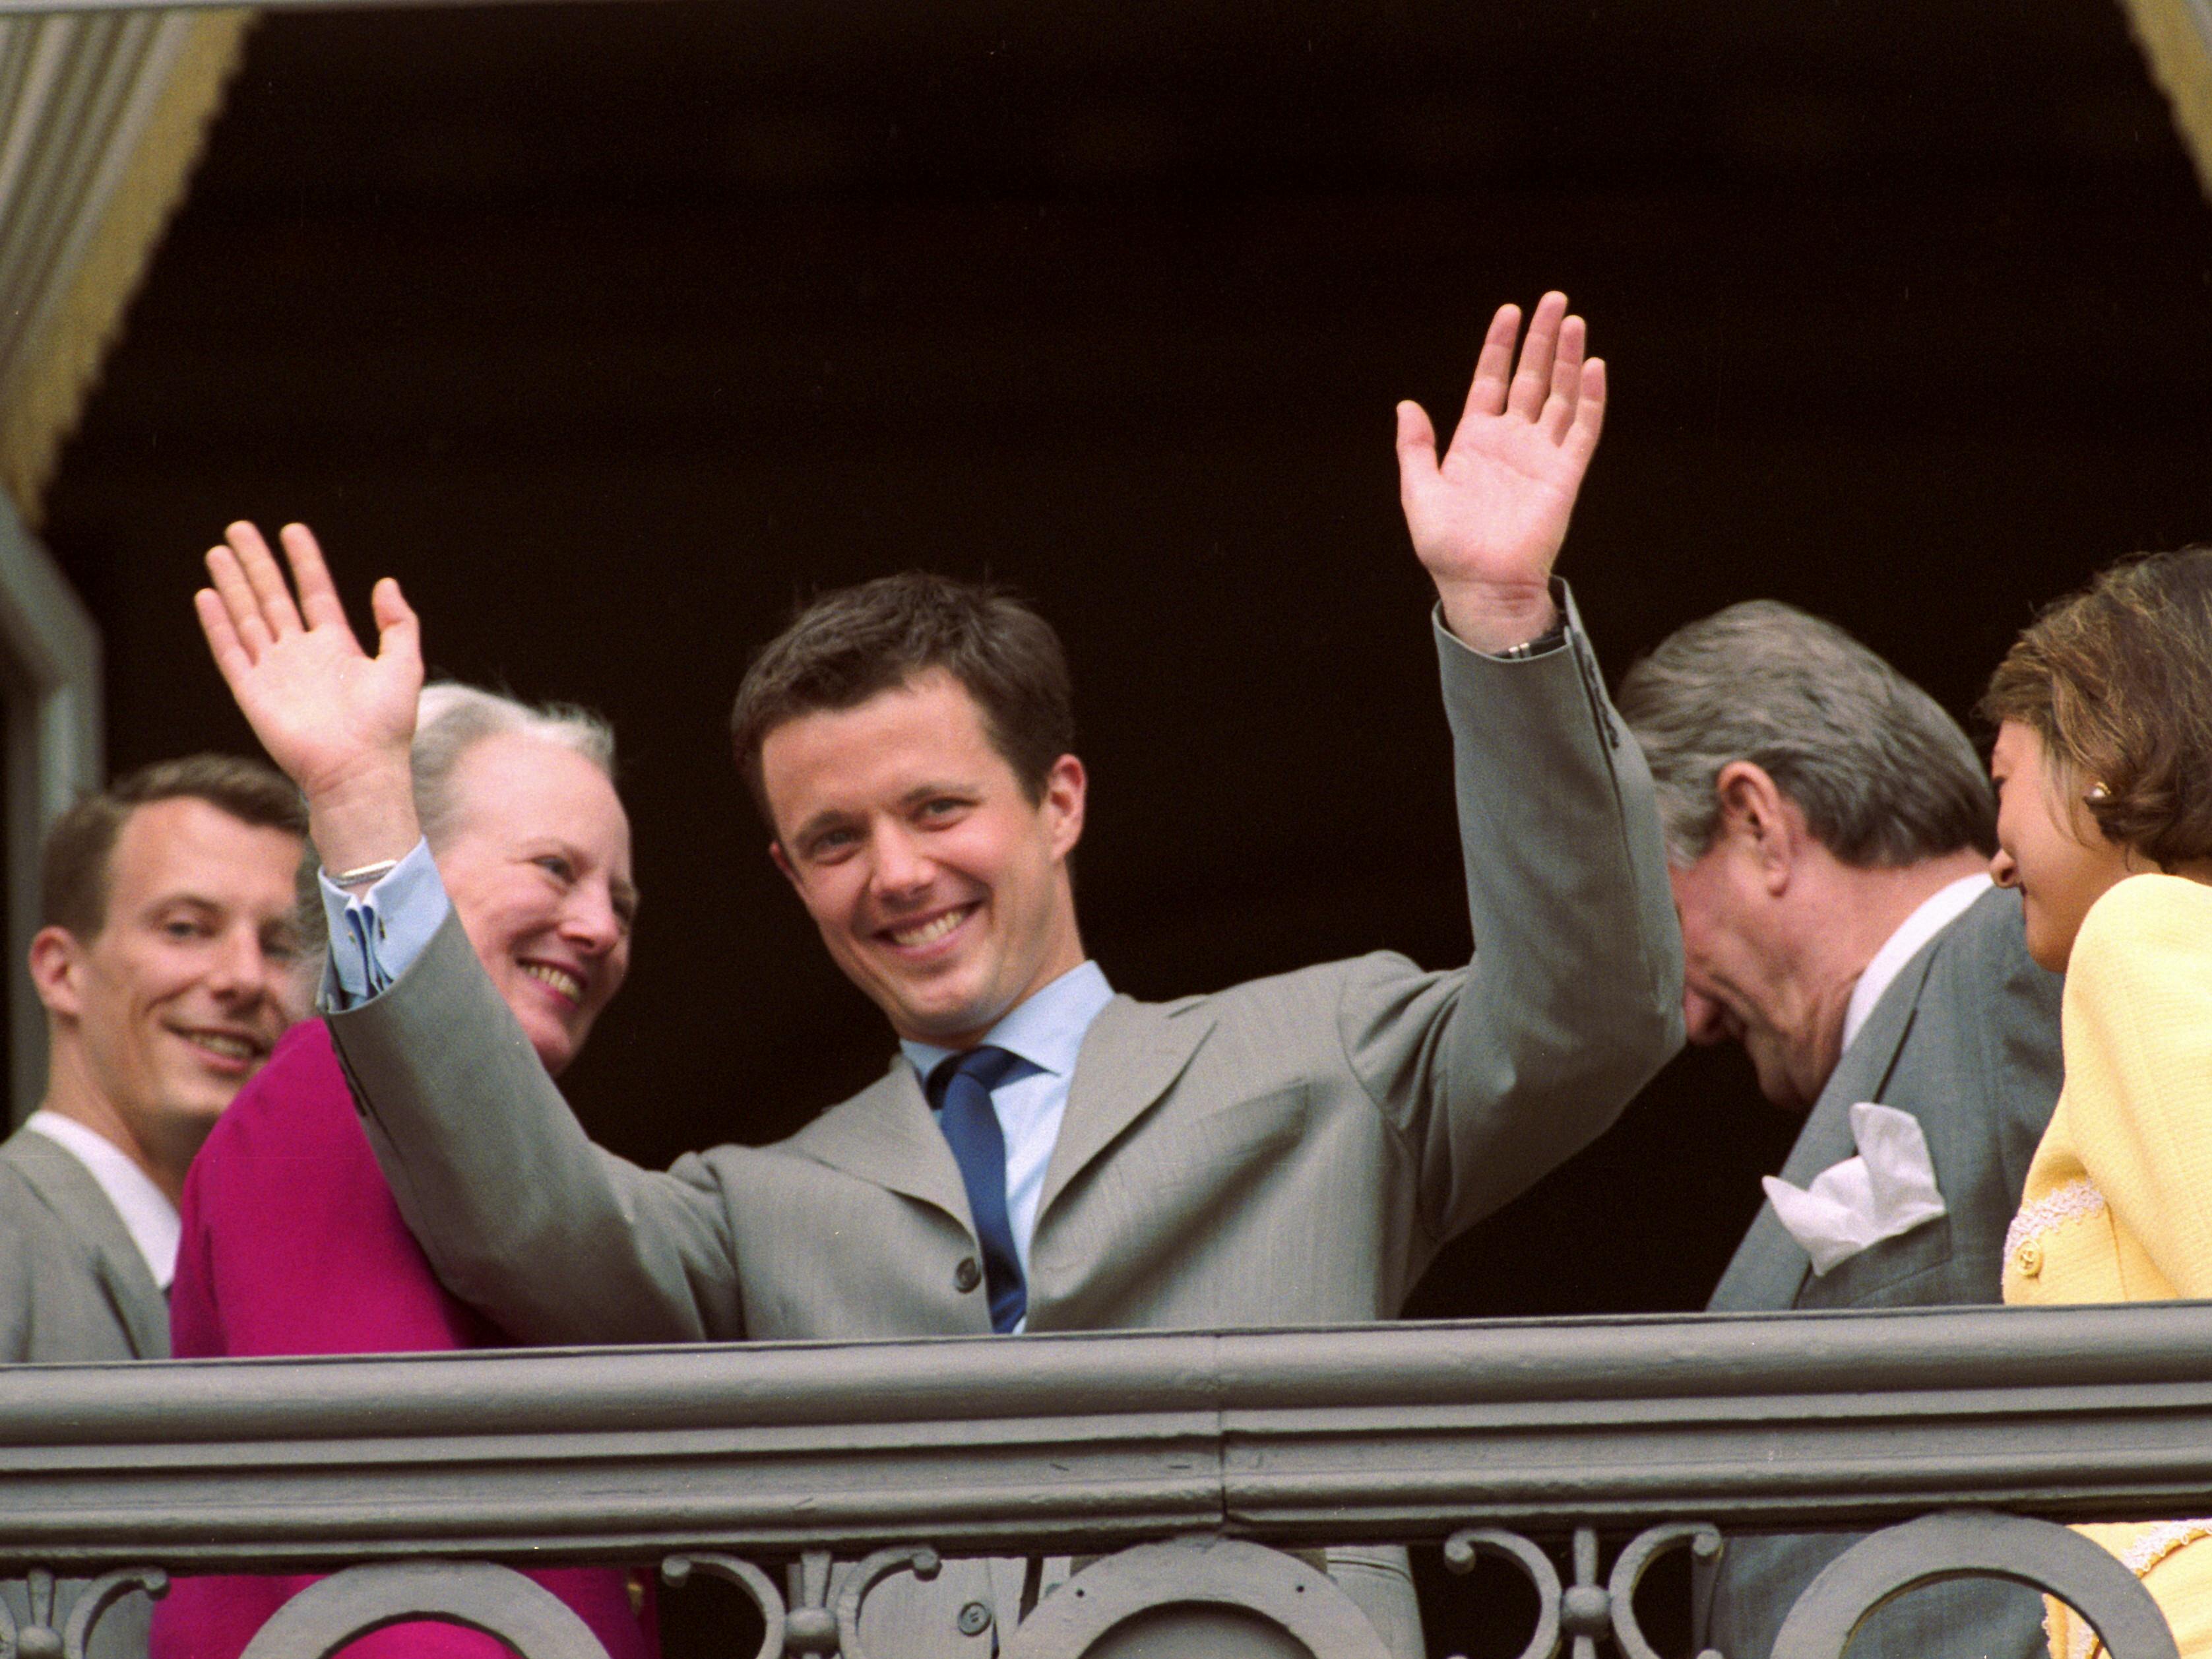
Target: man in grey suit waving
1829, 831
1041, 1155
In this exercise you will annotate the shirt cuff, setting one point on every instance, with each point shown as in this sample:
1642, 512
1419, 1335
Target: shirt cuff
376, 935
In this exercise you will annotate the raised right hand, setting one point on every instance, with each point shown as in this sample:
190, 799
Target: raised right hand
337, 720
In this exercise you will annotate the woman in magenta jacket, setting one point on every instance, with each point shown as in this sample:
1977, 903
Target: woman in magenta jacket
292, 1241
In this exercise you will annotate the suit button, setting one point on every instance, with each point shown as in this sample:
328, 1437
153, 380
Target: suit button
967, 1275
2029, 1259
974, 1619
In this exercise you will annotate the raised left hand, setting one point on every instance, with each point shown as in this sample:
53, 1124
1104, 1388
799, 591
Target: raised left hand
1489, 519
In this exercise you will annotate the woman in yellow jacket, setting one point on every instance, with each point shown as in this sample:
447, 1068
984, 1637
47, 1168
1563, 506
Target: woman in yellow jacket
2104, 771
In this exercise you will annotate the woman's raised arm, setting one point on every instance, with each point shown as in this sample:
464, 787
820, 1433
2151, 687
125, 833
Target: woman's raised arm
336, 719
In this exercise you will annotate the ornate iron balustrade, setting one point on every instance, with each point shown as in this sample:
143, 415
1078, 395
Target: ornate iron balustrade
1190, 1463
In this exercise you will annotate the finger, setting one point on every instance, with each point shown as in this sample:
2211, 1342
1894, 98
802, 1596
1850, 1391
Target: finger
231, 659
1494, 366
318, 595
1590, 413
1533, 380
239, 602
1567, 381
1417, 453
278, 613
398, 630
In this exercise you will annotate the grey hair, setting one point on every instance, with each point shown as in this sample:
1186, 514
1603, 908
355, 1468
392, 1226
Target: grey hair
450, 719
1884, 776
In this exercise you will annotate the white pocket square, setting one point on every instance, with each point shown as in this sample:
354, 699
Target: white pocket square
1888, 1189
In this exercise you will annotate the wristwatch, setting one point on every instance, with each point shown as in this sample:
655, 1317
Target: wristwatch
1550, 640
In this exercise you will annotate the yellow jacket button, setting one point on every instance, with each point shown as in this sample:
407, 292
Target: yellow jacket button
2029, 1259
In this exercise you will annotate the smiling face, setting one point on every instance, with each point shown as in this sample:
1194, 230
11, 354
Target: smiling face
159, 1018
537, 867
939, 887
2048, 847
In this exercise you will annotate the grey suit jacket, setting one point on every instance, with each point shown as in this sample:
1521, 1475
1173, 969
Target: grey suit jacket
73, 1290
1202, 1138
1966, 1040
73, 1287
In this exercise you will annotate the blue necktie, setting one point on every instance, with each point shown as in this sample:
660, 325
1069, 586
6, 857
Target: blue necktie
960, 1090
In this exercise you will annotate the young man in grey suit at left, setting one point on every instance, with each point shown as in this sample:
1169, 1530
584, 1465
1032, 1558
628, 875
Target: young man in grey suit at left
1042, 1155
1829, 829
169, 961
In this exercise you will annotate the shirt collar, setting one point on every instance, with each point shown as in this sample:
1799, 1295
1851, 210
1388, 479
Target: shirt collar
1936, 912
1045, 1030
147, 1213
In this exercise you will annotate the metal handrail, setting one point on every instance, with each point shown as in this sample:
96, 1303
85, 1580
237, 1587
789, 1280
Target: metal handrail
1404, 1432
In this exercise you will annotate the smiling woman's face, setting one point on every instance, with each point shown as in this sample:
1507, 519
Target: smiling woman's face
2048, 847
539, 870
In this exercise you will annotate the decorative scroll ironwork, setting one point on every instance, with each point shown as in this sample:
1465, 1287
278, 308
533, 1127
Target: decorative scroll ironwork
716, 1457
918, 1559
497, 1601
1584, 1611
810, 1625
1277, 1588
813, 1626
45, 1634
1964, 1543
1280, 1591
1629, 1568
1461, 1550
676, 1572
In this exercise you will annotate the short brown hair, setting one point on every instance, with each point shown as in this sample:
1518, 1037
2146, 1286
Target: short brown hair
2116, 680
73, 865
853, 644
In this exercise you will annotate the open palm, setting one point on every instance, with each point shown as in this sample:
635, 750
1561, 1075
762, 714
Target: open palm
1488, 519
332, 716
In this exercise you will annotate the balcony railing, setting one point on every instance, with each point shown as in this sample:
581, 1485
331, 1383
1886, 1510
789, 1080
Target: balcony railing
1188, 1465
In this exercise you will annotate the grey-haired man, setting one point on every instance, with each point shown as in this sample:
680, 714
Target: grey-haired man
1828, 830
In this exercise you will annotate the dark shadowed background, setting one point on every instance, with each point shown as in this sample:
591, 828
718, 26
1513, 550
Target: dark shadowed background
612, 331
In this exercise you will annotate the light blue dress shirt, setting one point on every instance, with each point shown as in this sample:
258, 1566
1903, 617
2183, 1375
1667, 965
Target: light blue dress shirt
1045, 1031
377, 935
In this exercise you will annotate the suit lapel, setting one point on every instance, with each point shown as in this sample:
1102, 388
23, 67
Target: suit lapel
1769, 1267
1132, 1054
67, 1188
886, 1135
